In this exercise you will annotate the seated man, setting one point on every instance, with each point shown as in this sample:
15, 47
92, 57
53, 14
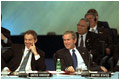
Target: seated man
72, 56
88, 39
24, 57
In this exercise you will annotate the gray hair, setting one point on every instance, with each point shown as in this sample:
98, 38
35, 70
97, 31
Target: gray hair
86, 20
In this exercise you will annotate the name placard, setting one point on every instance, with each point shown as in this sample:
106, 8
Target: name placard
100, 74
40, 75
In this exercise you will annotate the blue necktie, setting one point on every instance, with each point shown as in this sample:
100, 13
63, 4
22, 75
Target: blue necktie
24, 63
74, 57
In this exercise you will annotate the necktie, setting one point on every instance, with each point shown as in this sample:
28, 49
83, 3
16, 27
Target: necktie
92, 30
81, 43
74, 57
24, 63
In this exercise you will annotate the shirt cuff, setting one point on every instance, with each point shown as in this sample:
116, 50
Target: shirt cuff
5, 41
5, 68
37, 57
66, 68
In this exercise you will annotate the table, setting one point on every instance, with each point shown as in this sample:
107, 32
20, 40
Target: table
63, 76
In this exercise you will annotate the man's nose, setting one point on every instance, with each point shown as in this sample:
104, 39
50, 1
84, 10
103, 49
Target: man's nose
27, 41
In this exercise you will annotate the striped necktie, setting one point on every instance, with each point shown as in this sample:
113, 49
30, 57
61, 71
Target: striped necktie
24, 63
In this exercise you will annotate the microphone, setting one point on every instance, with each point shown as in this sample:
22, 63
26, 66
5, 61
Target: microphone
90, 59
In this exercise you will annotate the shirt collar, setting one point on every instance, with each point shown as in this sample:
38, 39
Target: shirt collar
72, 49
95, 28
82, 35
26, 49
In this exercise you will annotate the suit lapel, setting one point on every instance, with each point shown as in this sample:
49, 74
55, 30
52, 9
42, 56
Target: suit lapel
87, 40
67, 54
68, 57
77, 38
21, 52
84, 53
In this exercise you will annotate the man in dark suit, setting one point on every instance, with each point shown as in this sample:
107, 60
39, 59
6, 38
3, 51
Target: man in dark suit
5, 38
90, 39
13, 59
83, 58
104, 36
101, 24
103, 33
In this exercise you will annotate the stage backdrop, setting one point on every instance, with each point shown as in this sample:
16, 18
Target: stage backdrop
54, 16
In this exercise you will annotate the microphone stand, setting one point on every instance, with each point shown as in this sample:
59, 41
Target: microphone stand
87, 73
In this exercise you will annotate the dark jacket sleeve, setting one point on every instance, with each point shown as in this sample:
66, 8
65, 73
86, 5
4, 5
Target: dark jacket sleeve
59, 56
6, 33
92, 66
39, 64
65, 58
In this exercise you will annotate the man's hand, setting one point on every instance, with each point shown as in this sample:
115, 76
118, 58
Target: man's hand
103, 68
2, 37
33, 48
108, 51
70, 69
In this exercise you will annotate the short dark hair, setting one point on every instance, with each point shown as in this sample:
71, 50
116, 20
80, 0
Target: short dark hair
74, 36
93, 11
94, 16
32, 32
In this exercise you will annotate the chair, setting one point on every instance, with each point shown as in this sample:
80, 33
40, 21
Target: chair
115, 36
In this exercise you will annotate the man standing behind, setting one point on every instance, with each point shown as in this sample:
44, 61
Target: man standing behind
72, 56
103, 33
24, 57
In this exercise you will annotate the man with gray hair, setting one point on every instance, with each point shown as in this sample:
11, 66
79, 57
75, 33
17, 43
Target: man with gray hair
88, 39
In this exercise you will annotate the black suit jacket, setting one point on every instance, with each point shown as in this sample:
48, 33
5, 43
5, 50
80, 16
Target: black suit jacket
103, 24
66, 59
93, 45
13, 57
6, 33
104, 35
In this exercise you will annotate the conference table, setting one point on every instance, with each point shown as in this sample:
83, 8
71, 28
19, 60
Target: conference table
59, 75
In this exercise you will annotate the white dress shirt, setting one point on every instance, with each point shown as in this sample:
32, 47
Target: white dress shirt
28, 66
95, 29
80, 61
79, 40
5, 41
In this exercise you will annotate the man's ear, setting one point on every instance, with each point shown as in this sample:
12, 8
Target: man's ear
75, 40
35, 40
